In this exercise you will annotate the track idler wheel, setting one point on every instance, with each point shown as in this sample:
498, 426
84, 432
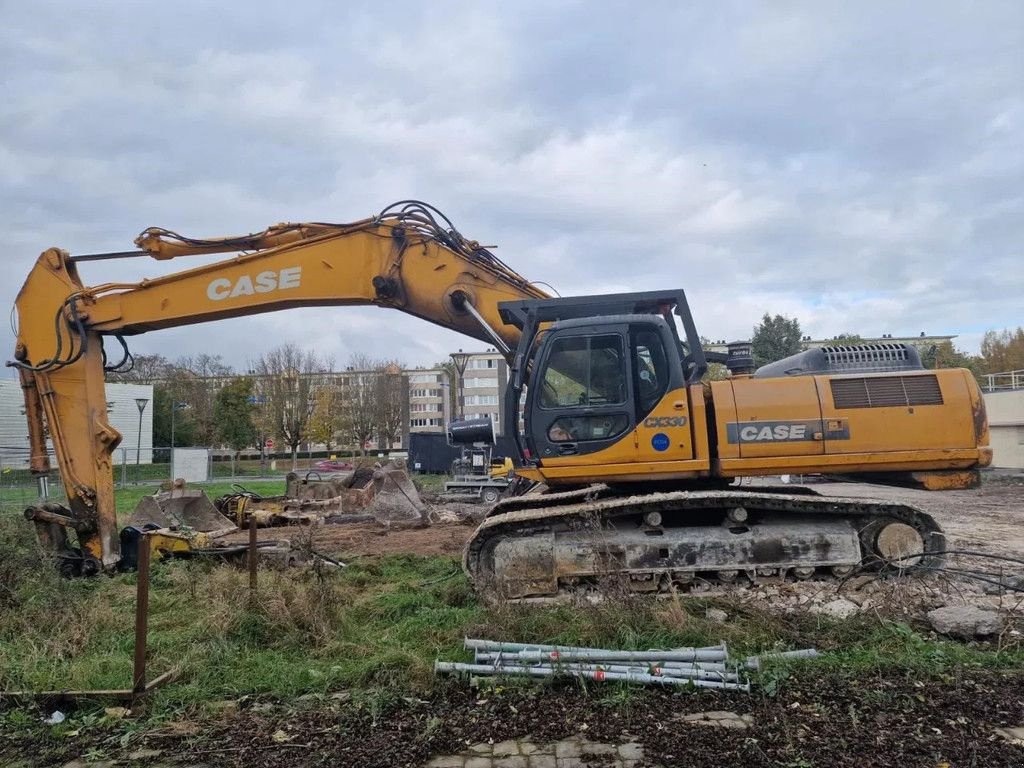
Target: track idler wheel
901, 545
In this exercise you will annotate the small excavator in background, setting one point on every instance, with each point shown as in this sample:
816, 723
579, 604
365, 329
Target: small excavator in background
637, 453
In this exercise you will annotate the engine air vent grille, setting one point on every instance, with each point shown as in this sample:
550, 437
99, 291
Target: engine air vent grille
886, 391
880, 355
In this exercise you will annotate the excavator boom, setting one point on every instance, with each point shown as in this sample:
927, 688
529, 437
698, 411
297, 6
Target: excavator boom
409, 257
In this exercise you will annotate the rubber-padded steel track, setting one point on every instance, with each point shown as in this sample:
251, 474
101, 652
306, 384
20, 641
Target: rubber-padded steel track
535, 533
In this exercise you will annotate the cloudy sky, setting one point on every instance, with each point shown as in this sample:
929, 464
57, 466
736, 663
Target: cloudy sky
857, 165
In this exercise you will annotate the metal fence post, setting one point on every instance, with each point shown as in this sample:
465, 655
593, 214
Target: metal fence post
252, 553
141, 615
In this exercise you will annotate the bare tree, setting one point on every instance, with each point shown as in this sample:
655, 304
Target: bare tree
145, 369
191, 382
357, 401
287, 379
391, 403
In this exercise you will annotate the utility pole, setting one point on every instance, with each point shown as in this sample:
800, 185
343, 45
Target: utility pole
460, 359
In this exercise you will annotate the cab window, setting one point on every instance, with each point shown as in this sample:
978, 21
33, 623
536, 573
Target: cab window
585, 371
650, 369
570, 429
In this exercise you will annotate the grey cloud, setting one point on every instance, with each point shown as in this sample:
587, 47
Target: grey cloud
857, 166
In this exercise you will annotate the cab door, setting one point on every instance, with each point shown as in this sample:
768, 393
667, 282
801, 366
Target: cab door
664, 431
582, 402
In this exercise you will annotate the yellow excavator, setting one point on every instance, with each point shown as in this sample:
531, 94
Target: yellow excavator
636, 452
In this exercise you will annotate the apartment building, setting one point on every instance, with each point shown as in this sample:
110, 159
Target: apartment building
483, 386
429, 399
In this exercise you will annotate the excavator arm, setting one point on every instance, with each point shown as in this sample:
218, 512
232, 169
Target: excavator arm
409, 258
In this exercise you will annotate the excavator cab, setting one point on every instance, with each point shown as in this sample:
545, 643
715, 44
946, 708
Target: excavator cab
610, 385
597, 380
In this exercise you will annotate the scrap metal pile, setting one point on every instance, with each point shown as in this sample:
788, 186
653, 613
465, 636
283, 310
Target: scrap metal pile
184, 522
384, 494
708, 667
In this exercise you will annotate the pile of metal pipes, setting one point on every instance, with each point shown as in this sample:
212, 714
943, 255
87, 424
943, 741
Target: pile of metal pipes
707, 667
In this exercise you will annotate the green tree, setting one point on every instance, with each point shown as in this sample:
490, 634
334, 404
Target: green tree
232, 414
184, 425
775, 338
845, 338
945, 355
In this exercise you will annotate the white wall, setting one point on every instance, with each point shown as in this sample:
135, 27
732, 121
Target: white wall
1006, 427
122, 410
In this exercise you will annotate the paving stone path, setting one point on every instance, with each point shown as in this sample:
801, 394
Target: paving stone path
524, 753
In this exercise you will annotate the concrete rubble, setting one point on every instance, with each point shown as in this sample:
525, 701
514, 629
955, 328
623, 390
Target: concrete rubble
718, 719
965, 622
529, 753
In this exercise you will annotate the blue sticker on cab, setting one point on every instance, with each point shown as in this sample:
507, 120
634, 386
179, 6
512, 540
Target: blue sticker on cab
660, 442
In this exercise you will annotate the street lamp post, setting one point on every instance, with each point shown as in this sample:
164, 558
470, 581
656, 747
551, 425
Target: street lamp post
141, 403
175, 407
460, 359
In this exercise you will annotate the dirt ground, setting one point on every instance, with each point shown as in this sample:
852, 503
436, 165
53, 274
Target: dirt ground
838, 721
988, 519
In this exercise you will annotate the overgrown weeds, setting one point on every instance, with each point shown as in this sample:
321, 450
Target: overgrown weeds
374, 627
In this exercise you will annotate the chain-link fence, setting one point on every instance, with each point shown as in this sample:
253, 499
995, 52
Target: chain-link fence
20, 488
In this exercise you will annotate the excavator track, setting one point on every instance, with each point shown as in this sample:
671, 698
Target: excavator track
546, 545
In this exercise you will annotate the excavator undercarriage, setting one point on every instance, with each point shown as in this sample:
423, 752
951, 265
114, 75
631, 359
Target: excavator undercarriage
546, 545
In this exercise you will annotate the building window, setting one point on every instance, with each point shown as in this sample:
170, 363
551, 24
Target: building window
425, 392
434, 422
481, 399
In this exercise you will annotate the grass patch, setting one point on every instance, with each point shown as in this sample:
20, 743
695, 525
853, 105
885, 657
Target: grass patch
376, 626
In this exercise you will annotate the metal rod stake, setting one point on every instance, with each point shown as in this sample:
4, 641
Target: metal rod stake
141, 615
252, 553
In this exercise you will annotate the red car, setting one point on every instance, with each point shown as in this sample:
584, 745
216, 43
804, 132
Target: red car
333, 465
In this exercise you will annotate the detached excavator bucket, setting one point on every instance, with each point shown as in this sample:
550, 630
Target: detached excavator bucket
395, 498
180, 508
385, 491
